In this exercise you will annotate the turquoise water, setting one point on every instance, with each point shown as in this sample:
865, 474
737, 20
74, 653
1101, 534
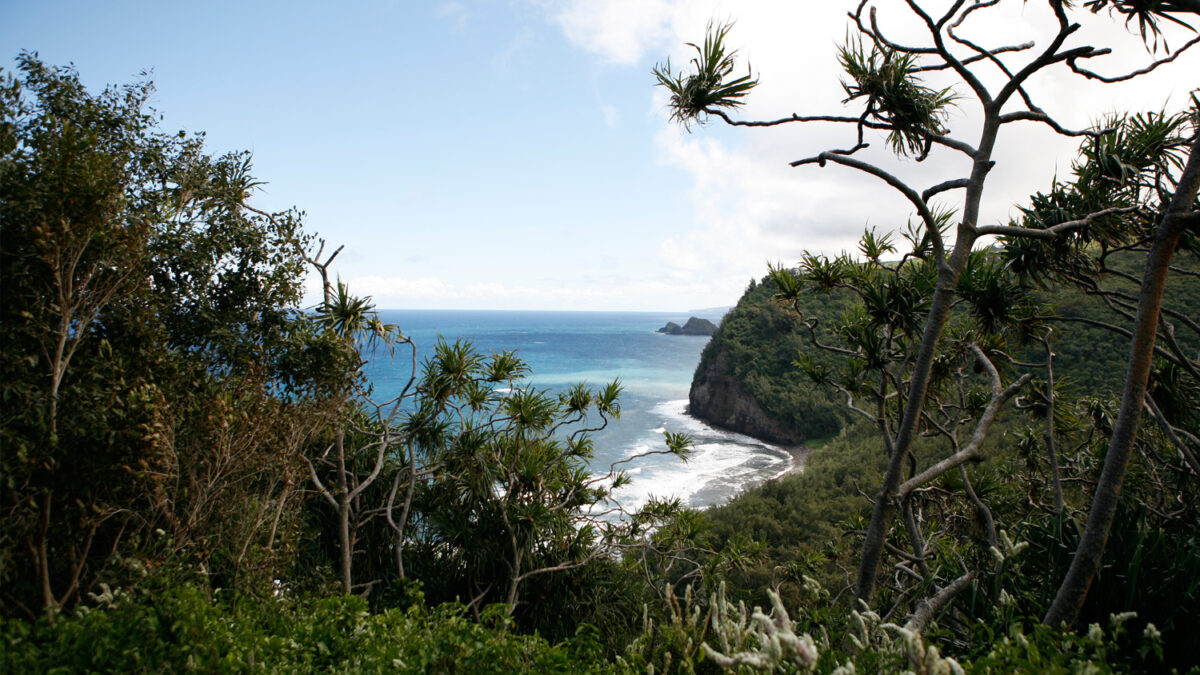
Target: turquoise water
655, 370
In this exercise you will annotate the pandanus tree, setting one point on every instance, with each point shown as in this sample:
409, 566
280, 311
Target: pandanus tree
1145, 174
884, 79
490, 479
970, 383
514, 497
361, 429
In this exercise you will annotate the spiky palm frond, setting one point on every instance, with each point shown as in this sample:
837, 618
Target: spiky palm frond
921, 239
1148, 13
874, 246
1135, 164
608, 401
788, 283
895, 95
694, 95
345, 314
1145, 146
826, 274
994, 295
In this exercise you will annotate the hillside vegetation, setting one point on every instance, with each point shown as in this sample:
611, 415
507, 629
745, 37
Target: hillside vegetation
759, 341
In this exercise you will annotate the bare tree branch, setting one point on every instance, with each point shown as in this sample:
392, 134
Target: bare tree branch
843, 119
1054, 231
971, 451
899, 185
1129, 76
1170, 431
1039, 116
933, 606
956, 184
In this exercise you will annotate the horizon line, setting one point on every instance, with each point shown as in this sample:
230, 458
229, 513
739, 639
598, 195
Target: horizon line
598, 311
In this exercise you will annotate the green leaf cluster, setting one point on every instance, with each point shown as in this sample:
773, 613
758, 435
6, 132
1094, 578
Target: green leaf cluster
155, 371
709, 86
894, 95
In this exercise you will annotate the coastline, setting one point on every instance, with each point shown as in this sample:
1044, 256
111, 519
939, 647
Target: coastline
799, 455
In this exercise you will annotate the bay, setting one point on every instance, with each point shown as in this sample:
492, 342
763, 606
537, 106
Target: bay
655, 371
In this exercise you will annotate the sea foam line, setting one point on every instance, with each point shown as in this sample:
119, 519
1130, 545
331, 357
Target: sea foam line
723, 463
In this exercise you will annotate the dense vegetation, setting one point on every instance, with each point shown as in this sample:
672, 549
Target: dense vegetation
760, 340
197, 477
757, 343
943, 335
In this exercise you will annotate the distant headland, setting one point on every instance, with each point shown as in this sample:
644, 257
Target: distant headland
694, 326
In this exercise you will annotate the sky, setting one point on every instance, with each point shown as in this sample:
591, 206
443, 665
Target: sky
515, 154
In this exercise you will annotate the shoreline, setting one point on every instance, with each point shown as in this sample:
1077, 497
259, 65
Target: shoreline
799, 458
799, 455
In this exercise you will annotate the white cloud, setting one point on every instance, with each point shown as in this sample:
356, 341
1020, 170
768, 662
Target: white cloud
663, 291
750, 207
619, 31
377, 287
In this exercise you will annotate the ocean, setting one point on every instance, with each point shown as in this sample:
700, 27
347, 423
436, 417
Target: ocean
655, 370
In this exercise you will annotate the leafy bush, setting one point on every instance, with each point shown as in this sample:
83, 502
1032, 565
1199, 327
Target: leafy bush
182, 630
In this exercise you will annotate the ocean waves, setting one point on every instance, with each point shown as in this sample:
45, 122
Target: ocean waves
563, 348
722, 464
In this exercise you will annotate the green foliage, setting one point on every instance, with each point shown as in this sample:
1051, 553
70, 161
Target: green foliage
757, 344
709, 88
154, 369
512, 477
767, 352
894, 95
1150, 565
1128, 168
181, 629
1036, 648
165, 402
801, 518
798, 513
704, 634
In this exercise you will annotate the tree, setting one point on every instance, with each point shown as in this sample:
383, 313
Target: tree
145, 312
885, 77
1150, 168
490, 483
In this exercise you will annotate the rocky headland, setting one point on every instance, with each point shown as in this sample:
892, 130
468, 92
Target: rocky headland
694, 326
747, 380
717, 398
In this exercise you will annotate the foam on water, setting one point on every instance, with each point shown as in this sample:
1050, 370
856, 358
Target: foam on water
722, 464
655, 371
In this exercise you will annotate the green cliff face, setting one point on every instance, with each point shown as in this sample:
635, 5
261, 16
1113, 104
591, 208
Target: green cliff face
746, 380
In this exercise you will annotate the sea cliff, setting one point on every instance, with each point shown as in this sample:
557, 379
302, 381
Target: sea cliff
717, 398
746, 381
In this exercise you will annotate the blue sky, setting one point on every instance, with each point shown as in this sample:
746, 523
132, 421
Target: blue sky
514, 154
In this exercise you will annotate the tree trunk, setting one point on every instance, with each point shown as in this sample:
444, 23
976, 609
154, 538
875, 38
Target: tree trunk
343, 501
43, 559
1060, 504
885, 508
939, 311
344, 538
1085, 564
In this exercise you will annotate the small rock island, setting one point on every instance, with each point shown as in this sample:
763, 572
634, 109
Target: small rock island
694, 326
